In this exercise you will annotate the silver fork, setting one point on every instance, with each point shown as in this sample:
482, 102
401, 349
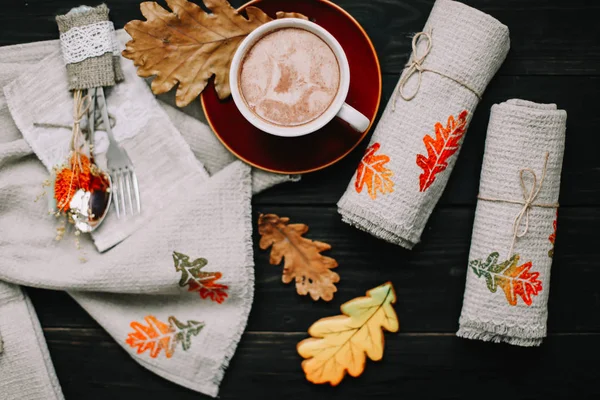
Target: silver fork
125, 190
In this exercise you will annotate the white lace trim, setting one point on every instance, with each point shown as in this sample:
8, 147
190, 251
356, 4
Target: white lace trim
81, 43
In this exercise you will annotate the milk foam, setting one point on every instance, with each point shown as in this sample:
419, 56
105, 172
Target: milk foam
289, 77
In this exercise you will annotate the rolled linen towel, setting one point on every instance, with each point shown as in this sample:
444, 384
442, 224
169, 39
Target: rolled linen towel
508, 277
414, 148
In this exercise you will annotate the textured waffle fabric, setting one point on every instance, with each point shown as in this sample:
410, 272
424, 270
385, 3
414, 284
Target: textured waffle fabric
393, 200
131, 283
508, 301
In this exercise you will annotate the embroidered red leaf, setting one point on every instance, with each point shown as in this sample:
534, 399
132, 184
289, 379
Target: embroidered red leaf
155, 335
196, 280
514, 279
439, 150
209, 289
552, 237
373, 173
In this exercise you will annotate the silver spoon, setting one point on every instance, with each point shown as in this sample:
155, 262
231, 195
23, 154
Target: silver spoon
88, 209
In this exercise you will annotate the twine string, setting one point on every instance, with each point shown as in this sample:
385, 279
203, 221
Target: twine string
415, 66
99, 124
530, 194
81, 105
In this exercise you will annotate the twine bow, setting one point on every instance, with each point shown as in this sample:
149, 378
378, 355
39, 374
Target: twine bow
415, 66
529, 196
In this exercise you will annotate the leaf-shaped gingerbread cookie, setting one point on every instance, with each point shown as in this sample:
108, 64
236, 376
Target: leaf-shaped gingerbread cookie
343, 342
303, 259
188, 46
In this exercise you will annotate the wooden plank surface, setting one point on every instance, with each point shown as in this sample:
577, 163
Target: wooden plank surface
555, 57
415, 367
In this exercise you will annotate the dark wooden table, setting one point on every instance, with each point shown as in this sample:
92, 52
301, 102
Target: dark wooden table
555, 57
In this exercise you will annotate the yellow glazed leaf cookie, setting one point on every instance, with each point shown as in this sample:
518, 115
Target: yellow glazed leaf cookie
343, 342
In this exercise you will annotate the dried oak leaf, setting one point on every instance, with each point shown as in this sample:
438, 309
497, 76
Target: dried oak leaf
188, 46
303, 259
343, 342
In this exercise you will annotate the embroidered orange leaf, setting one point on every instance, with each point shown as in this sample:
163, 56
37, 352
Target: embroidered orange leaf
514, 279
155, 335
196, 280
373, 173
303, 259
552, 237
343, 342
439, 150
188, 46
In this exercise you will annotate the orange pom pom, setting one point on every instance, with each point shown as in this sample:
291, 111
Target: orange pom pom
64, 189
79, 174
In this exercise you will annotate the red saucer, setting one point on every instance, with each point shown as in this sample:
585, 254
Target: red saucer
331, 143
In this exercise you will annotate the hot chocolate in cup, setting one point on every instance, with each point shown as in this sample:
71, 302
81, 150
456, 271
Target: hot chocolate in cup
290, 77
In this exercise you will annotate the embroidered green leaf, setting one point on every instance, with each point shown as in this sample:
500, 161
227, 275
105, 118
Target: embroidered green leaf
184, 332
196, 280
155, 335
188, 270
514, 279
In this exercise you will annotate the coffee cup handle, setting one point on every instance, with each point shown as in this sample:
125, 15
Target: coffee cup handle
356, 120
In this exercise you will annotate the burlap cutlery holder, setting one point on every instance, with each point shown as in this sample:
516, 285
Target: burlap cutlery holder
392, 194
89, 48
508, 277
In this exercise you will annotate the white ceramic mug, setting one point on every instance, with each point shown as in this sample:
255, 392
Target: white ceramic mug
338, 107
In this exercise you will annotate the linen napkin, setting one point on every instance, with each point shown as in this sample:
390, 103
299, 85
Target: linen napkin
26, 371
508, 277
213, 154
159, 154
191, 218
413, 150
193, 226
